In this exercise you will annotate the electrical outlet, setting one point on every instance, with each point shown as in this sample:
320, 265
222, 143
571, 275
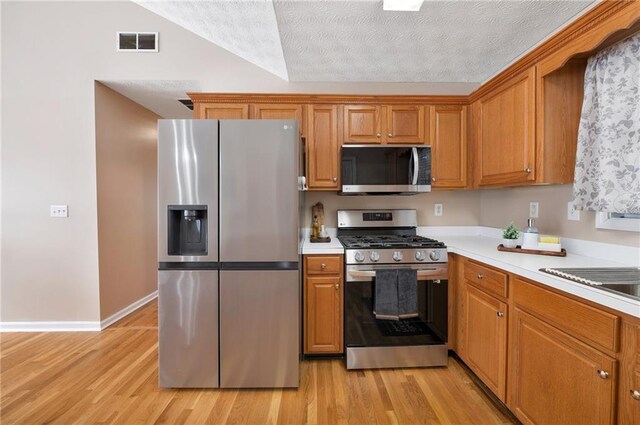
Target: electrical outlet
533, 209
573, 214
59, 211
438, 209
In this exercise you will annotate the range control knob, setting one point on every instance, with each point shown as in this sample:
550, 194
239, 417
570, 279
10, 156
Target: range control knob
420, 255
434, 255
359, 256
397, 256
374, 256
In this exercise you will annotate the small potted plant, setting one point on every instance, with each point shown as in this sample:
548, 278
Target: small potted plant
510, 236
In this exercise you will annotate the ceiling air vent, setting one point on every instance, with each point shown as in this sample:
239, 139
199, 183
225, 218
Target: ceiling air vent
137, 41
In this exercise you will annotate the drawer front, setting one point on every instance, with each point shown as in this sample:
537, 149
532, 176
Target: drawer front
323, 264
589, 324
491, 280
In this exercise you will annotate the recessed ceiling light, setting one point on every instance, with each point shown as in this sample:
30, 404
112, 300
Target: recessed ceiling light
403, 5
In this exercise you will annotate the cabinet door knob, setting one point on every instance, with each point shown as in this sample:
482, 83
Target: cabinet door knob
433, 179
500, 314
378, 135
528, 170
323, 266
335, 179
390, 134
635, 394
480, 276
603, 374
337, 286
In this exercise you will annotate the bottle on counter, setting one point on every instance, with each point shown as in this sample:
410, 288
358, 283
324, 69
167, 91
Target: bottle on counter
323, 232
315, 228
530, 235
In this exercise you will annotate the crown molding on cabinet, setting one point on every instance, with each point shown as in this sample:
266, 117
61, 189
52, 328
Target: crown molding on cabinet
334, 99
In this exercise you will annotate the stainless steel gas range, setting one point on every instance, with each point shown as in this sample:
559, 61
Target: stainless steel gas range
382, 245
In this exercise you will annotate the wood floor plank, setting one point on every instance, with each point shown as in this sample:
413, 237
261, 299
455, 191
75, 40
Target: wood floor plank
111, 377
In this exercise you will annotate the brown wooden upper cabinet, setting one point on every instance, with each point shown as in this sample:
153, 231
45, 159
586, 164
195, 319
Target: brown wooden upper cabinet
323, 151
448, 141
505, 133
361, 124
221, 111
405, 124
369, 124
269, 111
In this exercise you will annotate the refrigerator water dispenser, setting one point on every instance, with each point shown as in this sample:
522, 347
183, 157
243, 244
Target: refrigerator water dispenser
187, 229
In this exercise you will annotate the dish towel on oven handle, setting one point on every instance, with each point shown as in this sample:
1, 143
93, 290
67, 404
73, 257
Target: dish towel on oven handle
396, 294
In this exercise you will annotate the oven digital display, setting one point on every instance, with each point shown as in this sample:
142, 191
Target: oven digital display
377, 216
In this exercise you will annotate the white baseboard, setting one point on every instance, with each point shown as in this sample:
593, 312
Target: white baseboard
75, 326
128, 310
65, 326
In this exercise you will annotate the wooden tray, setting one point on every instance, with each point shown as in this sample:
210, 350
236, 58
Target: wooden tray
562, 253
320, 240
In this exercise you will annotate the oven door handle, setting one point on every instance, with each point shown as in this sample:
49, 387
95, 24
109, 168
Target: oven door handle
423, 274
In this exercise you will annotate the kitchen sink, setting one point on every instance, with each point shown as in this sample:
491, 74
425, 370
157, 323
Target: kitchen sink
618, 280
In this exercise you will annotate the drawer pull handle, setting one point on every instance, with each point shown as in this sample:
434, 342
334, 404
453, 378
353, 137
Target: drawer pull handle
635, 394
480, 276
337, 286
390, 134
500, 314
603, 374
323, 266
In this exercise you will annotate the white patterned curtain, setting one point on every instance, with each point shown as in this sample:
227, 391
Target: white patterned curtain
607, 173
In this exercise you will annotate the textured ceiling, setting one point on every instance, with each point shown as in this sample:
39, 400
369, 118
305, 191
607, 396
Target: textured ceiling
245, 28
446, 41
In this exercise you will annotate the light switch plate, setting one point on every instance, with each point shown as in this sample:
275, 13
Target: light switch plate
573, 214
533, 209
59, 211
438, 209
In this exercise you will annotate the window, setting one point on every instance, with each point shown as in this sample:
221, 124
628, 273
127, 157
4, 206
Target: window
618, 221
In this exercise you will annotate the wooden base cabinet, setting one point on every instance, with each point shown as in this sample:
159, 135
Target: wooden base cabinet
556, 379
323, 301
629, 388
485, 323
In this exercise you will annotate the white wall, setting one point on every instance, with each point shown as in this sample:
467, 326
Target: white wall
52, 52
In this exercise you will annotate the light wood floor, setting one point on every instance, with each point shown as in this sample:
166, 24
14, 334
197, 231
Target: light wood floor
112, 377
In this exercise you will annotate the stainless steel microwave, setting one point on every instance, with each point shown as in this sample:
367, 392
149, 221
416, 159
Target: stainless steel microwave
385, 169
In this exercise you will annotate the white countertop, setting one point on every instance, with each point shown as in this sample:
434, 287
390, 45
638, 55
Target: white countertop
483, 249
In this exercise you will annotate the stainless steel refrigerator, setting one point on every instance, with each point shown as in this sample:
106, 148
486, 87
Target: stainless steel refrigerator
229, 286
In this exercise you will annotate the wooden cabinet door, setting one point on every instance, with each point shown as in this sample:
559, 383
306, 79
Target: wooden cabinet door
274, 111
323, 315
448, 146
556, 379
322, 147
485, 347
361, 124
405, 124
506, 135
629, 389
221, 111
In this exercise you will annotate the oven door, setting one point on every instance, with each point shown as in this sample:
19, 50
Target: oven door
362, 329
385, 169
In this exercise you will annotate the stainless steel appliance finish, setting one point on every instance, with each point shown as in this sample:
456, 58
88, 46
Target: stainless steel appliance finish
188, 175
258, 191
381, 240
623, 281
188, 328
259, 336
402, 356
386, 169
239, 176
378, 218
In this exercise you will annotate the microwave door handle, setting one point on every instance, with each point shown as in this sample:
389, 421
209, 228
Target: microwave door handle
416, 165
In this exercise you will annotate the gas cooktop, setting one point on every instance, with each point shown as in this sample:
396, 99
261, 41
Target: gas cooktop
389, 241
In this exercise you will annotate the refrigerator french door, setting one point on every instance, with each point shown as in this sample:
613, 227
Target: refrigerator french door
259, 280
